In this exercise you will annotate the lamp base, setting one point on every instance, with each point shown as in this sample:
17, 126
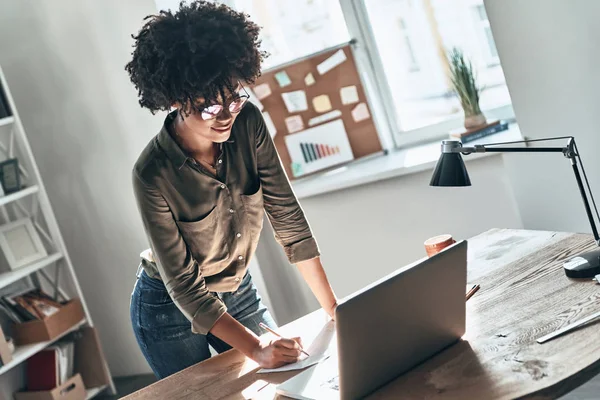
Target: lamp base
585, 265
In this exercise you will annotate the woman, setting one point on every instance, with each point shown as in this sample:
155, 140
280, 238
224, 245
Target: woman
202, 185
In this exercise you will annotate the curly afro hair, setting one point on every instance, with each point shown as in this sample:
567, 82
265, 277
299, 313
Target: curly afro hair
198, 51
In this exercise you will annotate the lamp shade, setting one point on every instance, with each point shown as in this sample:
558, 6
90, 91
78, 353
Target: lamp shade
450, 171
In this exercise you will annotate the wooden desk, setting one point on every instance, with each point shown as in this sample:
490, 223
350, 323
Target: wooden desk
524, 295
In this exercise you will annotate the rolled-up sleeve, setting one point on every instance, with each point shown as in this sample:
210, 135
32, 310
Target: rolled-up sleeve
287, 218
177, 267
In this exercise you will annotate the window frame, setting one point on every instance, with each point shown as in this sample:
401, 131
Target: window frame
370, 65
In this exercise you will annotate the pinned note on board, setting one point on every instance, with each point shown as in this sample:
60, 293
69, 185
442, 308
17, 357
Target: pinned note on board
324, 117
269, 123
296, 169
283, 79
336, 59
309, 79
321, 103
295, 101
349, 95
360, 112
294, 123
262, 91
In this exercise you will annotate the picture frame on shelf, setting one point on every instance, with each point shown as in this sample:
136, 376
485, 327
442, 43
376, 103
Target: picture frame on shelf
21, 244
10, 176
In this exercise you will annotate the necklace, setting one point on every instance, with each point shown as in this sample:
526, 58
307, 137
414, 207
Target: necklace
212, 165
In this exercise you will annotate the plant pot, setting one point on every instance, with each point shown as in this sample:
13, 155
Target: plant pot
474, 121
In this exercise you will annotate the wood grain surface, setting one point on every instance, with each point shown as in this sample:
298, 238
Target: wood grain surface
524, 295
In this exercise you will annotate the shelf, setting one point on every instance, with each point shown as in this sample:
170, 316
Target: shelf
9, 198
93, 392
22, 353
7, 121
7, 278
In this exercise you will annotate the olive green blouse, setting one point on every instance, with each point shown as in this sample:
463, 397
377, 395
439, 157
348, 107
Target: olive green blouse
203, 228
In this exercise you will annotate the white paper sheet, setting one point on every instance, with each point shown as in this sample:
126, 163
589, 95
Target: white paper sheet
336, 59
295, 101
318, 351
263, 90
360, 112
270, 125
294, 123
307, 362
325, 117
349, 95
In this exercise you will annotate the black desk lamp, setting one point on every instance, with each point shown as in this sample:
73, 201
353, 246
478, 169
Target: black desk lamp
450, 171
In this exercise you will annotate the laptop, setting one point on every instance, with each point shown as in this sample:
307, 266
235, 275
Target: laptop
388, 328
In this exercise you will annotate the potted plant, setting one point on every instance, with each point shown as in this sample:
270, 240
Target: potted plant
464, 83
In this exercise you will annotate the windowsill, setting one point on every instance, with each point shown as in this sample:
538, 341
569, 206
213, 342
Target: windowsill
396, 163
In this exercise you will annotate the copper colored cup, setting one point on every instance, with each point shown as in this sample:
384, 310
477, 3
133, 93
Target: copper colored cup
437, 243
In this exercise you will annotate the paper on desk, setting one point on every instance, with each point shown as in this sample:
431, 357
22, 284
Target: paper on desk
318, 351
306, 362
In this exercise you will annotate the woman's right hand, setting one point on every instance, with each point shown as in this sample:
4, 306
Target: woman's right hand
277, 352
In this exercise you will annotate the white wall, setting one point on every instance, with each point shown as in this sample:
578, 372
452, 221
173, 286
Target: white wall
369, 231
64, 61
549, 53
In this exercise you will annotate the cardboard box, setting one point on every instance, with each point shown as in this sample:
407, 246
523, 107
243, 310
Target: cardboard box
72, 389
89, 359
49, 328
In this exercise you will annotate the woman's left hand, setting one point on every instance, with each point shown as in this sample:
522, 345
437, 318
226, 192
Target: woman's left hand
331, 310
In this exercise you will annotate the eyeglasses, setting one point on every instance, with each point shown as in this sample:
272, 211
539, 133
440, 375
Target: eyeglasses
235, 106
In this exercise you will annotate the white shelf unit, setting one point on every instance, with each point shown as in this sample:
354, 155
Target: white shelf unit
6, 278
7, 121
4, 200
22, 353
32, 202
91, 393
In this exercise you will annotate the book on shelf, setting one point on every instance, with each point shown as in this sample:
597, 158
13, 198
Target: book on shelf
51, 367
469, 135
30, 304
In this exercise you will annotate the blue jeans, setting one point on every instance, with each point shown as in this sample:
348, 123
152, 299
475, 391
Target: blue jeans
164, 334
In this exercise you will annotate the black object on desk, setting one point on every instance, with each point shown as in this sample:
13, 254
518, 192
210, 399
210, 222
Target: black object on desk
451, 171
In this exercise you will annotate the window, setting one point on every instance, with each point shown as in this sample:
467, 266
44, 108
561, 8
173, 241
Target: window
294, 29
486, 38
291, 29
402, 47
423, 96
413, 64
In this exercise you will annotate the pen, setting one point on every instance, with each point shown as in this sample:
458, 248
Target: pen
278, 335
471, 292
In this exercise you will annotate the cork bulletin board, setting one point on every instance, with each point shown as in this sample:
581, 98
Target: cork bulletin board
317, 112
